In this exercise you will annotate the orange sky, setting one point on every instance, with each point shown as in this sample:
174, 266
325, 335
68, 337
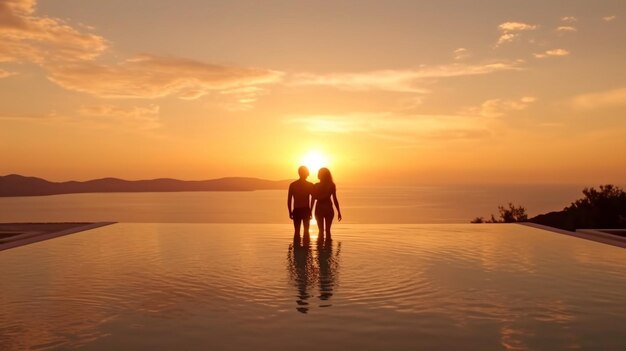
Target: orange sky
411, 92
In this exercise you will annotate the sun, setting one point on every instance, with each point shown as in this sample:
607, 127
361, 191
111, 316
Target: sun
314, 160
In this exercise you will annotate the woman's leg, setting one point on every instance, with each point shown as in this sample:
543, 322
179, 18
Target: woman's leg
329, 221
320, 224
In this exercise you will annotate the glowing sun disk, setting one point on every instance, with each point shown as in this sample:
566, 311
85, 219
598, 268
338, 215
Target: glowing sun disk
314, 160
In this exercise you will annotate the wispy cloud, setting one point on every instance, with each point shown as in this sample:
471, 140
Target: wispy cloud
516, 26
98, 116
553, 53
398, 80
410, 129
500, 107
33, 117
69, 53
240, 99
26, 37
4, 73
148, 76
461, 54
566, 29
146, 117
510, 31
609, 18
602, 99
388, 80
569, 19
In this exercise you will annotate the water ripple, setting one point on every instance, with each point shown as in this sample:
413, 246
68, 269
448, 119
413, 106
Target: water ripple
376, 286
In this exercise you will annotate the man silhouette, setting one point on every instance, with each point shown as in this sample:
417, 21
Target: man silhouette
300, 192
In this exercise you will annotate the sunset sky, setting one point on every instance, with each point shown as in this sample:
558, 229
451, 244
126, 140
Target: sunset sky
397, 92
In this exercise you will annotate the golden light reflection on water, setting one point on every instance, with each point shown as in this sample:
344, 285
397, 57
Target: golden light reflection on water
313, 265
373, 287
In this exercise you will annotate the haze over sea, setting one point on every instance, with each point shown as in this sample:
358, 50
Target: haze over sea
426, 204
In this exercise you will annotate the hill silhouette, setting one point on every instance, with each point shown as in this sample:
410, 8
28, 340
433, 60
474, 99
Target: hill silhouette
17, 185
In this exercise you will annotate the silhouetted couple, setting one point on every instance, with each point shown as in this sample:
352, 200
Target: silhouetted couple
307, 196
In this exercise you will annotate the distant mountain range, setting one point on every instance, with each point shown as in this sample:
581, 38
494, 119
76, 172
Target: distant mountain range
17, 185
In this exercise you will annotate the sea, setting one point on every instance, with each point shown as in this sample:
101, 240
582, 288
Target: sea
368, 205
223, 271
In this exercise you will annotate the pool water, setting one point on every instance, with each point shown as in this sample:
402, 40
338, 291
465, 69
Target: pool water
374, 287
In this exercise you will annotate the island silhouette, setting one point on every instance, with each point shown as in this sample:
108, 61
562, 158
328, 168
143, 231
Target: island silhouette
18, 185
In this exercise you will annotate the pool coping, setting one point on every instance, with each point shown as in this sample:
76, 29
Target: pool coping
587, 234
30, 237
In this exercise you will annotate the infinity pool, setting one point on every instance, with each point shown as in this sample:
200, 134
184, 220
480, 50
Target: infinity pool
375, 287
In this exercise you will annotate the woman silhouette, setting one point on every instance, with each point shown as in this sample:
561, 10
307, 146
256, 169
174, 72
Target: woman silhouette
322, 193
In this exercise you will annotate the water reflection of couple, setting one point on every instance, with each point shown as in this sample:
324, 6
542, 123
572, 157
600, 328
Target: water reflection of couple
307, 269
306, 196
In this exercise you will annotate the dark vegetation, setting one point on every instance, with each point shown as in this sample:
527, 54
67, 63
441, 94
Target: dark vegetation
511, 214
17, 185
600, 209
603, 208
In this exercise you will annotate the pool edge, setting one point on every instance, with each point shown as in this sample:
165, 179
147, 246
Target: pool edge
51, 235
604, 239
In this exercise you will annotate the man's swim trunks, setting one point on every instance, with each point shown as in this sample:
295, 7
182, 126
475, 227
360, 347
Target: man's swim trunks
302, 213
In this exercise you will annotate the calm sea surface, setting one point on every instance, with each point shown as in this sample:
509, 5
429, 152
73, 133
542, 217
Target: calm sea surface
220, 271
173, 286
359, 205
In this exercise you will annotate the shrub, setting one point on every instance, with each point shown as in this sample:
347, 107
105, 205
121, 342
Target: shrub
478, 220
511, 214
600, 209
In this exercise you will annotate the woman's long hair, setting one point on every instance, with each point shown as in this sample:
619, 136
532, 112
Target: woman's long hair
323, 189
324, 176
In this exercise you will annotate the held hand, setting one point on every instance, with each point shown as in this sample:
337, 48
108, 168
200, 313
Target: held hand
339, 217
290, 215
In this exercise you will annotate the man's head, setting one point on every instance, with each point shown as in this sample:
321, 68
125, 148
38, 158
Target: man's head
303, 172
